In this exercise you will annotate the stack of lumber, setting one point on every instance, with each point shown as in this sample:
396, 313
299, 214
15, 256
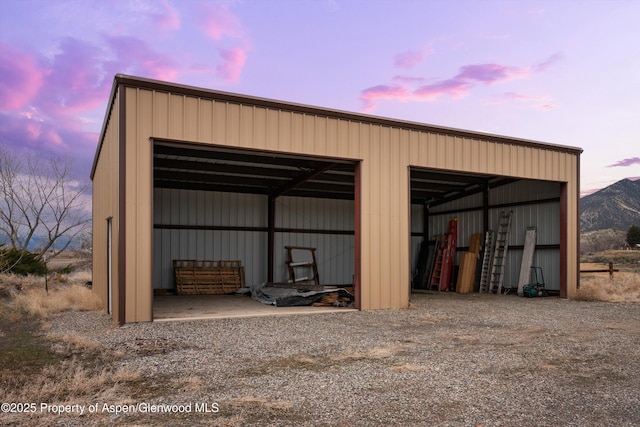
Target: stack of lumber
467, 270
195, 277
334, 299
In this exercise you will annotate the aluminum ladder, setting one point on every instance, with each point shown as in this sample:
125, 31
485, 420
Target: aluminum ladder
500, 252
487, 259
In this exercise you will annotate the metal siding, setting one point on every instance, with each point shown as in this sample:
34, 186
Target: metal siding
200, 208
417, 223
546, 259
334, 251
185, 207
525, 190
468, 222
248, 246
105, 184
204, 120
334, 254
138, 201
385, 151
190, 120
545, 216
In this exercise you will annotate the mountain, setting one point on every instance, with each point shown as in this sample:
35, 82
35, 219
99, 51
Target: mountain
614, 207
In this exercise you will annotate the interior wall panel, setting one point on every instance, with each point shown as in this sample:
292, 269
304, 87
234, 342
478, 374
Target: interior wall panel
201, 208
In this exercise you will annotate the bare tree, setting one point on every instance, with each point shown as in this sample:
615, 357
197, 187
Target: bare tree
42, 206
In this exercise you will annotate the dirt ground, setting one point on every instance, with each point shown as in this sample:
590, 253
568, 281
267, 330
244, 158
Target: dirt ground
449, 360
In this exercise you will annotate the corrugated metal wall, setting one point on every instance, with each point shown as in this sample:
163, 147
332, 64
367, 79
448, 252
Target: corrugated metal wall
544, 216
385, 152
105, 205
335, 252
201, 209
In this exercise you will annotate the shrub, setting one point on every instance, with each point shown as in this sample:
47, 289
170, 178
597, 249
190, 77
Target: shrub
21, 262
67, 270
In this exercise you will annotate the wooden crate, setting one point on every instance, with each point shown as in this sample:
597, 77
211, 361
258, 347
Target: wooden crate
196, 277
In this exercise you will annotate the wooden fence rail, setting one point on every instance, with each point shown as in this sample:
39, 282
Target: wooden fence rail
609, 270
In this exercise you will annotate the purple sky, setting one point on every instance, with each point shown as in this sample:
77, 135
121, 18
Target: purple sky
563, 71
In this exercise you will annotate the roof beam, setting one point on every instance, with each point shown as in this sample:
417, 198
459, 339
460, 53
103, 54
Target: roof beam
225, 168
301, 179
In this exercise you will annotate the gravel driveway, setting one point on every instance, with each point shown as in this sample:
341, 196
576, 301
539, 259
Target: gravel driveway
449, 360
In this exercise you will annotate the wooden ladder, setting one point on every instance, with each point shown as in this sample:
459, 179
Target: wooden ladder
305, 259
500, 252
443, 267
487, 259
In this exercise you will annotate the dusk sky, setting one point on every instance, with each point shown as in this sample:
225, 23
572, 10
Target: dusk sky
563, 72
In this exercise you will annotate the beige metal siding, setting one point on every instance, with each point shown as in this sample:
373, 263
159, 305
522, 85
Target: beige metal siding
105, 205
138, 202
386, 153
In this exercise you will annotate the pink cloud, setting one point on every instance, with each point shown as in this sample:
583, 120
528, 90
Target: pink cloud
20, 78
233, 61
371, 95
25, 133
456, 88
52, 95
49, 102
626, 162
76, 80
135, 56
218, 22
491, 73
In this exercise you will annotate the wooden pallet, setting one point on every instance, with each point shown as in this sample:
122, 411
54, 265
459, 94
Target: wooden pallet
196, 277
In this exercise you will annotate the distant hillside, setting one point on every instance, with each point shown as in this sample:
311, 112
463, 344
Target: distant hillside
614, 207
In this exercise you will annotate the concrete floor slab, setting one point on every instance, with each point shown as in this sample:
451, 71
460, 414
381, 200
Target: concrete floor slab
195, 307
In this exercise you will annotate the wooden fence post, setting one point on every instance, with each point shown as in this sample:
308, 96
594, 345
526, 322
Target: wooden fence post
611, 270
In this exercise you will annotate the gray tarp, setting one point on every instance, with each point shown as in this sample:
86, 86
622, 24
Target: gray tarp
284, 297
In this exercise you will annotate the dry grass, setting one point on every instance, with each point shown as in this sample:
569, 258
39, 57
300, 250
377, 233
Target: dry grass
61, 368
66, 292
624, 287
76, 343
67, 382
37, 302
66, 368
191, 384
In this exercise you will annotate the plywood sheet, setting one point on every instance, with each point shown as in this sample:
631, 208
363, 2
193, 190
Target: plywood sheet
467, 272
